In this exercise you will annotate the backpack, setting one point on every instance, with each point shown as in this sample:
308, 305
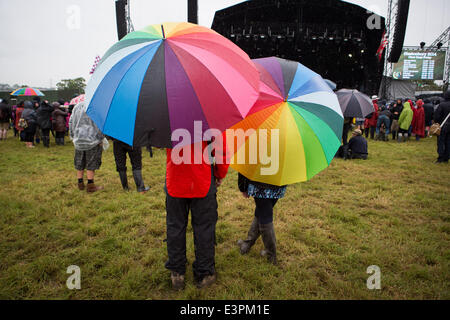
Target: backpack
22, 123
436, 127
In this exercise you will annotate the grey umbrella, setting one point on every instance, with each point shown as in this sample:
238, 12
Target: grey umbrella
354, 104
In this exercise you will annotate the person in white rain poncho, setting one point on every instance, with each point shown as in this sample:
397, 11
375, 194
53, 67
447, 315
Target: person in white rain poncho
88, 140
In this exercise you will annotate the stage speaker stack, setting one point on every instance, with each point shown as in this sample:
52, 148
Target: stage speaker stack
399, 32
193, 11
121, 18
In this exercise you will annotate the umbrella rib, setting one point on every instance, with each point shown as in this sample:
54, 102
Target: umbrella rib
318, 139
115, 91
200, 62
187, 76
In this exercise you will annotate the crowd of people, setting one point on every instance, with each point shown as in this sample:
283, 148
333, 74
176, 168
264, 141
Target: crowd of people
32, 121
400, 119
193, 187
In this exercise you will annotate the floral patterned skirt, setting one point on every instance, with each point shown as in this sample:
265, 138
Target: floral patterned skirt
266, 193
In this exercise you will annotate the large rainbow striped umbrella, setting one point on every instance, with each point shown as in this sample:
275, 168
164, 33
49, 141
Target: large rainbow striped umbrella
167, 76
27, 92
306, 116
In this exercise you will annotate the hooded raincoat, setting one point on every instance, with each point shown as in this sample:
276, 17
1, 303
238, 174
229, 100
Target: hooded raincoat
418, 122
405, 117
84, 133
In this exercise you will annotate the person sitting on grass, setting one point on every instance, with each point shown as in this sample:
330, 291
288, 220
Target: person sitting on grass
87, 139
357, 146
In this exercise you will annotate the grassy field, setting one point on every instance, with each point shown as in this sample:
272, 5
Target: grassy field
391, 211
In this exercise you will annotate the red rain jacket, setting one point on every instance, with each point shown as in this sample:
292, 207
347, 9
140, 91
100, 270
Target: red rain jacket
373, 121
418, 121
192, 180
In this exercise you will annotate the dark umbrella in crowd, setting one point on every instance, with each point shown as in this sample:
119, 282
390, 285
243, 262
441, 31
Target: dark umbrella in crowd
354, 104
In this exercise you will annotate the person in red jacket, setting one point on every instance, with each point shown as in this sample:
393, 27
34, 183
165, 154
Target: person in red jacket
372, 121
418, 121
192, 185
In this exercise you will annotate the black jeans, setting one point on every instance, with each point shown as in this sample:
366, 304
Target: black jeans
203, 219
370, 130
443, 146
120, 156
59, 135
30, 131
264, 210
355, 155
46, 132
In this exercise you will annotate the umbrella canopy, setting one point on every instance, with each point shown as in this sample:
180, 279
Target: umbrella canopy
27, 92
77, 99
331, 84
305, 113
354, 104
167, 76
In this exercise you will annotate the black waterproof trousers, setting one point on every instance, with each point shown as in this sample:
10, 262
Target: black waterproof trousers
120, 156
203, 219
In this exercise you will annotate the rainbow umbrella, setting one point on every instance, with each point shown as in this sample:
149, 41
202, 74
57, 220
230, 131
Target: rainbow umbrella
28, 91
296, 121
77, 100
170, 76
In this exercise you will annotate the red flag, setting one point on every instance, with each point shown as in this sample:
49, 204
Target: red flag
383, 44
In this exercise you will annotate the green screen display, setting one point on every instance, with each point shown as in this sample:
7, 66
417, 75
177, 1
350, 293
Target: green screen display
418, 64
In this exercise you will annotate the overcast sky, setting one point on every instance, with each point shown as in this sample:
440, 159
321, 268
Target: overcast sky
44, 41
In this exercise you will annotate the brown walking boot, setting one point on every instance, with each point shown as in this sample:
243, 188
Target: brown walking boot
91, 187
177, 280
81, 186
206, 281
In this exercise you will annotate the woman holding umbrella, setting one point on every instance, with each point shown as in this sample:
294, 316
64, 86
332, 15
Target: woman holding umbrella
17, 116
298, 118
29, 115
265, 196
